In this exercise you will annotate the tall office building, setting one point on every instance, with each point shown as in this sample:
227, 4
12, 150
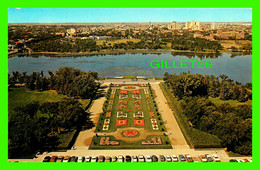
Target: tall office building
174, 26
193, 25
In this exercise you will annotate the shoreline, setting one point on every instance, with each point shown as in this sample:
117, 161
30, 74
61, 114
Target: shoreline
68, 54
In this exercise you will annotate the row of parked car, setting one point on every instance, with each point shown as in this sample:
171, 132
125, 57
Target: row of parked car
128, 158
240, 160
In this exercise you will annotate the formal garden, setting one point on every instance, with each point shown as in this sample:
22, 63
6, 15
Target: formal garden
130, 107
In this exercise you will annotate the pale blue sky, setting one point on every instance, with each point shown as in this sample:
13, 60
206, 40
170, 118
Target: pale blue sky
61, 15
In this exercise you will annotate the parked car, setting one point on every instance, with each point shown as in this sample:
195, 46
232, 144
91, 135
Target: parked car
203, 158
216, 158
60, 158
81, 159
162, 158
128, 158
114, 159
66, 159
88, 158
196, 159
101, 158
168, 158
188, 158
209, 158
182, 158
94, 159
246, 160
73, 159
120, 158
154, 158
233, 160
175, 158
108, 159
46, 159
53, 159
141, 158
134, 158
149, 158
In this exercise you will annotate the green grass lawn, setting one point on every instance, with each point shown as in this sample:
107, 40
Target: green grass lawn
18, 97
131, 145
217, 101
130, 118
21, 96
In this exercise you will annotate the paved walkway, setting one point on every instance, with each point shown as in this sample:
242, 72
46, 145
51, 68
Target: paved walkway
173, 130
85, 137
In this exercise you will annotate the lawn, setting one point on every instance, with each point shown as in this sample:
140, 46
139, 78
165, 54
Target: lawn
131, 145
130, 106
217, 101
130, 118
20, 96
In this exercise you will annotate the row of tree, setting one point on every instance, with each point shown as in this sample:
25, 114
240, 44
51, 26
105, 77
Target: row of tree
232, 124
195, 44
67, 80
35, 126
186, 84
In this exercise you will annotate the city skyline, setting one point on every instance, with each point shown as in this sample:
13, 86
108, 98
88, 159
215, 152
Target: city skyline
103, 15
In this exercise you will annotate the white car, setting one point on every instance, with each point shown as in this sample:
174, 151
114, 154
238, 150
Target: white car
168, 158
120, 158
94, 159
114, 159
149, 158
141, 158
134, 159
215, 157
81, 159
174, 158
87, 159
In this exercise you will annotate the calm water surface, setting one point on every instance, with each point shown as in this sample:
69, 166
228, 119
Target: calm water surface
238, 68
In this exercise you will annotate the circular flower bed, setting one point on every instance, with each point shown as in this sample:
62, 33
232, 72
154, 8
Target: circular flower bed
130, 133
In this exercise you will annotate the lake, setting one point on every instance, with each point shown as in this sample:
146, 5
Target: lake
236, 67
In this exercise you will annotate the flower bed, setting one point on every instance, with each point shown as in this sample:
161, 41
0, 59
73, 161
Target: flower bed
139, 122
108, 114
138, 114
121, 122
130, 133
121, 115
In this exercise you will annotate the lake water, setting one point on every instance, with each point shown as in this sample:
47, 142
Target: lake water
238, 68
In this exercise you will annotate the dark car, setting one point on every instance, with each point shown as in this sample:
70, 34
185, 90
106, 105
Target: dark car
46, 159
162, 158
154, 158
73, 159
53, 159
233, 160
182, 158
128, 158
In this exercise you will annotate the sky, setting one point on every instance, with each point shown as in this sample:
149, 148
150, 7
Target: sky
81, 15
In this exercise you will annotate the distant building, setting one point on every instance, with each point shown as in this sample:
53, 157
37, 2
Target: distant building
174, 26
193, 25
229, 34
70, 31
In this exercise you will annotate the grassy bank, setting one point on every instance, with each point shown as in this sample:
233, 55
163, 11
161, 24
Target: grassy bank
194, 137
